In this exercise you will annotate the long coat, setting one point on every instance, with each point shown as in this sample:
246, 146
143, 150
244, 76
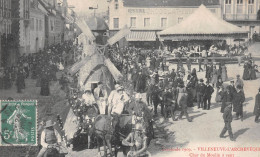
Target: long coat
257, 105
246, 73
238, 99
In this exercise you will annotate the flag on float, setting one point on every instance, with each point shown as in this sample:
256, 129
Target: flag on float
119, 35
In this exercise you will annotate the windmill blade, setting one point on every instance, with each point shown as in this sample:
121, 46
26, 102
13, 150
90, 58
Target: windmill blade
113, 70
119, 35
85, 29
75, 68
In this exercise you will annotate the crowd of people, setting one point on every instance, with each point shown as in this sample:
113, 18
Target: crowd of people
41, 66
215, 50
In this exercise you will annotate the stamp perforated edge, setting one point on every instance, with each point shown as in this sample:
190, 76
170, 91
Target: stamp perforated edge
36, 125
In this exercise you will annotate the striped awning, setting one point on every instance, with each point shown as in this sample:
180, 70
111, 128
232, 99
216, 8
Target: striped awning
141, 36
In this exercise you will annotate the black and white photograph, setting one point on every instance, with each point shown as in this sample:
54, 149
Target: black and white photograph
131, 78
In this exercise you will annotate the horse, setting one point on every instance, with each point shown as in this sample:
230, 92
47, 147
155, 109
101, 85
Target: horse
103, 130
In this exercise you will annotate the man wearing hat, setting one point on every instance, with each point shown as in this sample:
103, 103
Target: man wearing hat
257, 106
117, 100
238, 99
200, 93
49, 136
207, 96
232, 87
227, 116
137, 139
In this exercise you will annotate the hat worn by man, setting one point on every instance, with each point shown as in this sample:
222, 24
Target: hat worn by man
238, 75
49, 123
118, 87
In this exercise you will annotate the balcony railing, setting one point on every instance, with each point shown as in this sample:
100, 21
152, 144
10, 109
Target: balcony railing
238, 17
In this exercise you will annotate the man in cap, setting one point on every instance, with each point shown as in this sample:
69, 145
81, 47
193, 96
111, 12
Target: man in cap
49, 136
207, 96
227, 116
101, 96
200, 93
238, 99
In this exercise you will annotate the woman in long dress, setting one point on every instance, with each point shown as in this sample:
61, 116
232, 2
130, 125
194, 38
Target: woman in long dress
246, 73
214, 77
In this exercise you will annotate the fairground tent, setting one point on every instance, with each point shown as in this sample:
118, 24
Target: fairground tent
202, 25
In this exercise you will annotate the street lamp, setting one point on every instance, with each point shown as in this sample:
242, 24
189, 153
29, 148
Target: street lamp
93, 8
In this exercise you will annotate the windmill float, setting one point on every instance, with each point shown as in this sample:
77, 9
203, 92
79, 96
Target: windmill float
93, 67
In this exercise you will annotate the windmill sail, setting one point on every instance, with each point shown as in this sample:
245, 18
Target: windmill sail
119, 35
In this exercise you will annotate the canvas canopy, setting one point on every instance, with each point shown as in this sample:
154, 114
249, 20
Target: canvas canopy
205, 24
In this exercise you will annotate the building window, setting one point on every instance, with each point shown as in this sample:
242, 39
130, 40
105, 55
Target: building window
116, 22
240, 6
250, 1
251, 9
133, 21
163, 22
116, 0
239, 1
228, 2
180, 19
32, 23
116, 6
40, 25
37, 24
146, 22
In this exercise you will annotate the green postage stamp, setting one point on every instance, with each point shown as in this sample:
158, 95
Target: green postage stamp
18, 122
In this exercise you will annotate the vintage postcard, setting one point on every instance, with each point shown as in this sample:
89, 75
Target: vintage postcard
130, 78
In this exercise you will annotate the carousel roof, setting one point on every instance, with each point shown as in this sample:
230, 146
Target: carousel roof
202, 22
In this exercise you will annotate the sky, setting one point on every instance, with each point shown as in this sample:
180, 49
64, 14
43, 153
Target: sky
82, 6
